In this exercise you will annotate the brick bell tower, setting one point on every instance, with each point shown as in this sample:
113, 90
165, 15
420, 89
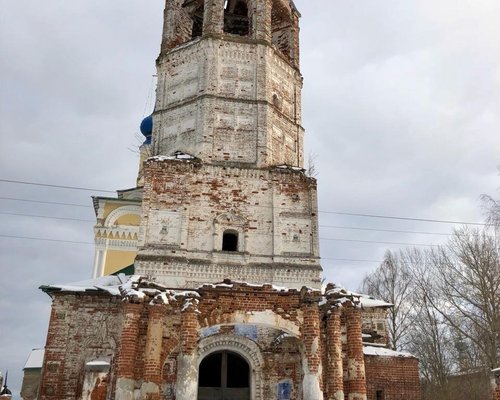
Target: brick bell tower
226, 195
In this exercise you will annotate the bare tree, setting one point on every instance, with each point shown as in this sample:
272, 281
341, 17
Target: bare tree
312, 169
392, 282
429, 337
492, 208
466, 276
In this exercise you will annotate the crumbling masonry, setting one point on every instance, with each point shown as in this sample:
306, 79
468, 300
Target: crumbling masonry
226, 299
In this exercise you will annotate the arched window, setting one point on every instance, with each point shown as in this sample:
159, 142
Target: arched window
197, 16
282, 26
236, 19
230, 241
224, 375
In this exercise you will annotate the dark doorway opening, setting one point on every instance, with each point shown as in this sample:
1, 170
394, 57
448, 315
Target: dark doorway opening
224, 376
230, 241
379, 395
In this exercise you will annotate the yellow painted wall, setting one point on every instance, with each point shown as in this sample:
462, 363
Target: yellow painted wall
118, 259
109, 207
129, 219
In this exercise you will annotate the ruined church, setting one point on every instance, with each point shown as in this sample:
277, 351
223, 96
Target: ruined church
207, 278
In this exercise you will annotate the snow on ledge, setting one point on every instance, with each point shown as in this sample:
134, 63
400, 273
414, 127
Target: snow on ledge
290, 167
178, 155
107, 283
343, 295
231, 284
384, 352
35, 359
98, 363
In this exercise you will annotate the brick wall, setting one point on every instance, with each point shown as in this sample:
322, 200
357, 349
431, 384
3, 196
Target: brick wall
296, 339
396, 377
187, 207
82, 328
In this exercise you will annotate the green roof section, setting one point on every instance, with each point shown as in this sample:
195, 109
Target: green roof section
128, 271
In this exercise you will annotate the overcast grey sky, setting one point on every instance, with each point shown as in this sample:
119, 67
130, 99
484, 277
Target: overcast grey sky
401, 105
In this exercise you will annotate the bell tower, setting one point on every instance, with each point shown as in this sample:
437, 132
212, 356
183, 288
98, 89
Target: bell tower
229, 85
225, 195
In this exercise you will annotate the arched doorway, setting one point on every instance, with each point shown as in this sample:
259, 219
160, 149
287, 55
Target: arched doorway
224, 376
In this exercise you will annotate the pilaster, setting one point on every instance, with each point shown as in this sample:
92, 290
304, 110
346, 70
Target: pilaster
262, 20
125, 382
51, 386
176, 25
355, 357
187, 369
295, 45
335, 372
213, 20
150, 388
312, 364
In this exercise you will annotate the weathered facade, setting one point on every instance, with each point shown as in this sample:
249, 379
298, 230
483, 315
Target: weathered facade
130, 338
226, 301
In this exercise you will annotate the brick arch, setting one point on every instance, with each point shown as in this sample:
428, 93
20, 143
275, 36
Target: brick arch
242, 346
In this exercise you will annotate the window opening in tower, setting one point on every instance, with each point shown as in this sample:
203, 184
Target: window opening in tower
230, 241
236, 20
197, 30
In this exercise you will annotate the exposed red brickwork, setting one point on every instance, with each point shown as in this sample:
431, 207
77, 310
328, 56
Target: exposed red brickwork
335, 370
355, 357
496, 385
100, 390
153, 350
129, 340
189, 330
311, 337
82, 328
396, 377
296, 335
218, 304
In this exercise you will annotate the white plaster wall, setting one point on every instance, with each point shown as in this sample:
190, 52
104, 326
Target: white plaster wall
215, 100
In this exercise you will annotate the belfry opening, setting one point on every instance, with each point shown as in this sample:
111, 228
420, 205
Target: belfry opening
222, 376
236, 19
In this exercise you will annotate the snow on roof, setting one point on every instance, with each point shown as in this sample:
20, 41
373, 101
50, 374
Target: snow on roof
134, 288
231, 284
343, 295
109, 283
384, 352
35, 359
